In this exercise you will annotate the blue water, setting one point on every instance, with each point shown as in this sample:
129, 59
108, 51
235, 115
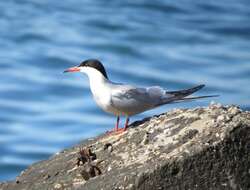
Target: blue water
174, 44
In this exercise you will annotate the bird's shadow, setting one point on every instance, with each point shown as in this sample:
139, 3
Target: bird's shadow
146, 119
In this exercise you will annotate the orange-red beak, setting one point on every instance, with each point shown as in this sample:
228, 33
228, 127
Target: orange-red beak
72, 69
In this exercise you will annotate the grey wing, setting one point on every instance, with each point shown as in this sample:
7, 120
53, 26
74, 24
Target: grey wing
131, 100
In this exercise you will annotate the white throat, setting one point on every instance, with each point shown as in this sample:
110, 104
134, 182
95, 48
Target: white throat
96, 78
99, 86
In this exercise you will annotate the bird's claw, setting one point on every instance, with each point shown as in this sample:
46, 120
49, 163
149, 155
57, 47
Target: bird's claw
116, 131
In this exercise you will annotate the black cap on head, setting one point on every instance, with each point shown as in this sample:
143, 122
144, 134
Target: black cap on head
94, 63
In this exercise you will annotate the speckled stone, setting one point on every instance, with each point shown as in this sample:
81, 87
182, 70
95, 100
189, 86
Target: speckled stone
200, 148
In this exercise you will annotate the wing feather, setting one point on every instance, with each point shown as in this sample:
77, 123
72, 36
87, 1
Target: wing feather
134, 100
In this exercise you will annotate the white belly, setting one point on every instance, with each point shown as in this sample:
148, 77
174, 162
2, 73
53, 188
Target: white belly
105, 104
101, 91
102, 97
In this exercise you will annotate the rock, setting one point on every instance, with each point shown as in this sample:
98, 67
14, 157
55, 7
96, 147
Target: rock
201, 148
108, 147
145, 139
57, 186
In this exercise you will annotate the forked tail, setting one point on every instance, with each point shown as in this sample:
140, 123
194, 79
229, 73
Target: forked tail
181, 95
184, 99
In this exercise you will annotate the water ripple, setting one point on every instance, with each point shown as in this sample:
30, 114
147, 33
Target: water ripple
171, 44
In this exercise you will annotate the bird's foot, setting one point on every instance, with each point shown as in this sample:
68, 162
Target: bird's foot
116, 131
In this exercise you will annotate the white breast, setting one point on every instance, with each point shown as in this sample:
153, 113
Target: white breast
101, 96
100, 88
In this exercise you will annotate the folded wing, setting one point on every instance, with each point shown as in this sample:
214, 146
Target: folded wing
131, 100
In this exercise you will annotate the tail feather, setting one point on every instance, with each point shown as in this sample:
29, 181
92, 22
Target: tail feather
184, 99
181, 95
185, 92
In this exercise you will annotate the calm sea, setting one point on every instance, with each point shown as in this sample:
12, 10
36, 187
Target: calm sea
174, 44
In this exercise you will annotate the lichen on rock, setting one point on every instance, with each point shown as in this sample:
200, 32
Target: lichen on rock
200, 148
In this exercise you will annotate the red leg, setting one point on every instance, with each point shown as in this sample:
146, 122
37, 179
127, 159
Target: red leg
117, 123
116, 126
126, 124
118, 130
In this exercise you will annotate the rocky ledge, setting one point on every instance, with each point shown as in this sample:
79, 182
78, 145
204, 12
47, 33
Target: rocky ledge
201, 148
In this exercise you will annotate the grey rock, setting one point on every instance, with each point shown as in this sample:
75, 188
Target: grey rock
201, 148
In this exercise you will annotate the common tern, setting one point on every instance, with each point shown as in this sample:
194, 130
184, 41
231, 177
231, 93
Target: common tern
127, 100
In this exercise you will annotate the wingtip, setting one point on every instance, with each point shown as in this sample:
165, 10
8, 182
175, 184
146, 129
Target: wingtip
202, 85
196, 88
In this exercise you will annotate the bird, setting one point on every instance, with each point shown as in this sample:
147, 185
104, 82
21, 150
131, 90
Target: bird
128, 100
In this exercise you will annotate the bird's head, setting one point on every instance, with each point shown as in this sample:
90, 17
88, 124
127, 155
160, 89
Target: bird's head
88, 67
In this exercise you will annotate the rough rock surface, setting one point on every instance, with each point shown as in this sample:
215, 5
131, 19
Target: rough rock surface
201, 148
